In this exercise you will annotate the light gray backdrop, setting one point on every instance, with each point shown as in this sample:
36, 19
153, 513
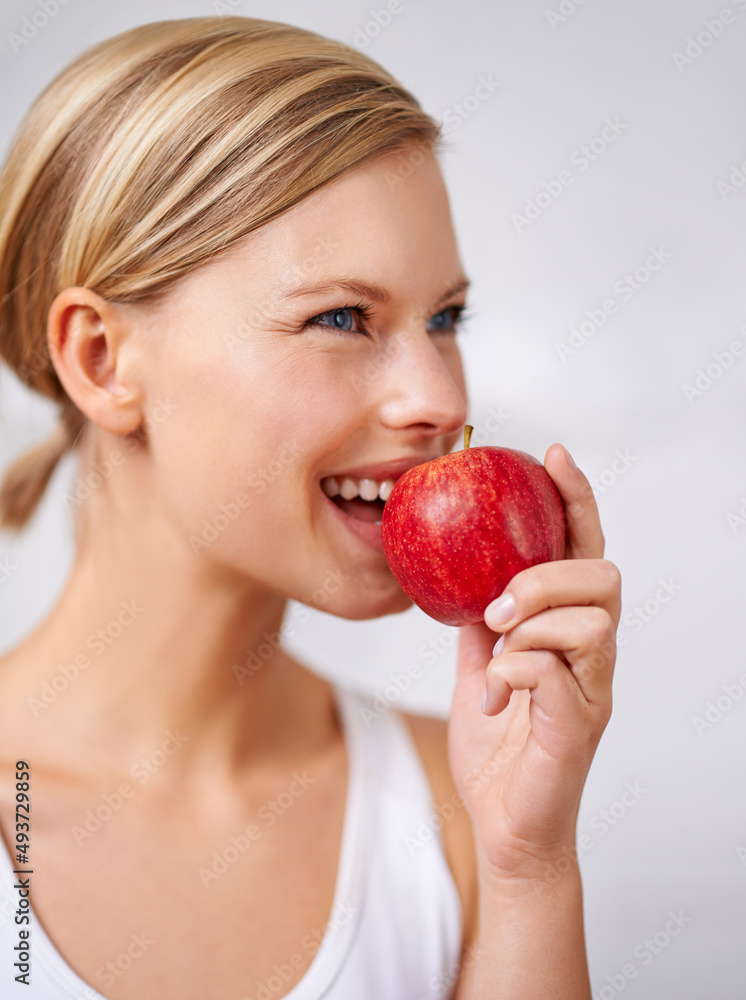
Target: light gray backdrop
607, 280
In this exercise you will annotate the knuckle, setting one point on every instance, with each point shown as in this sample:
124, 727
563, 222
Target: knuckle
527, 586
576, 509
586, 494
612, 576
495, 669
550, 663
545, 662
597, 626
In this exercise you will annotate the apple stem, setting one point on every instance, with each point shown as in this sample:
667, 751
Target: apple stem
467, 435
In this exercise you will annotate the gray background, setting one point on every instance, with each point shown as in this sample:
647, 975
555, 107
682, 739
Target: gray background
670, 510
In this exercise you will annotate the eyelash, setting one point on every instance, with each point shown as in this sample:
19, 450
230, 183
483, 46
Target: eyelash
365, 312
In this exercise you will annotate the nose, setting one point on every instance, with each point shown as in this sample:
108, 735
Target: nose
422, 387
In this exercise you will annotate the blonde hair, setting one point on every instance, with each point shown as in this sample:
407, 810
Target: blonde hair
153, 152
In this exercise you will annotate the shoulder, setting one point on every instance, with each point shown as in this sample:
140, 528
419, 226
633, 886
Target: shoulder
430, 735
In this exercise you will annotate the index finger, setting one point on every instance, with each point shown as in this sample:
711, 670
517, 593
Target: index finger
585, 539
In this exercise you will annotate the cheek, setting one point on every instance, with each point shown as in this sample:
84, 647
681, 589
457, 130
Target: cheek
238, 465
242, 452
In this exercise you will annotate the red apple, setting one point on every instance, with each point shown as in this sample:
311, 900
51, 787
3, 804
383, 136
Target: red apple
457, 529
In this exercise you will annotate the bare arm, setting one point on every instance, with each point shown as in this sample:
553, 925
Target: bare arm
521, 764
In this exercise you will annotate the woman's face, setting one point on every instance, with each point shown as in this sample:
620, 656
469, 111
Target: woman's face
324, 346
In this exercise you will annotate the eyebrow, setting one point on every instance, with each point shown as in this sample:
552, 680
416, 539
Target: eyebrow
374, 292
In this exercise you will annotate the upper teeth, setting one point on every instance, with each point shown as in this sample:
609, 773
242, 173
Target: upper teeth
367, 489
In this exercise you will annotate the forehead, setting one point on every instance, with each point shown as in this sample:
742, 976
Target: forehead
384, 216
385, 223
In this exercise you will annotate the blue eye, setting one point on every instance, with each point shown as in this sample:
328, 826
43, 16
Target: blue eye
341, 319
447, 320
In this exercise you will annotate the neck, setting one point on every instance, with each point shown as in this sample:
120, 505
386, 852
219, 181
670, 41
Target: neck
145, 641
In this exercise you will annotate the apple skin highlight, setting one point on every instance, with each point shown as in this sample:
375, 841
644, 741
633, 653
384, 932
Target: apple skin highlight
456, 530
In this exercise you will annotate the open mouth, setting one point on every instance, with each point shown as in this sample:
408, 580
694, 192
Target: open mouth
361, 499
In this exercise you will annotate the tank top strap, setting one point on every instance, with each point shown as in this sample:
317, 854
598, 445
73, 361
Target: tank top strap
358, 840
409, 941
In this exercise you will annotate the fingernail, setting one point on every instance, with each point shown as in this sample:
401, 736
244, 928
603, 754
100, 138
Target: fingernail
569, 458
500, 611
498, 647
484, 700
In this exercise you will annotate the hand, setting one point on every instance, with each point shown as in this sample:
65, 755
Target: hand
521, 767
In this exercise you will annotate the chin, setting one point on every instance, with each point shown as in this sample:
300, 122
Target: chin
366, 609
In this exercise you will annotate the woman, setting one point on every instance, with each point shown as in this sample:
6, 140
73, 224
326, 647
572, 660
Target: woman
227, 252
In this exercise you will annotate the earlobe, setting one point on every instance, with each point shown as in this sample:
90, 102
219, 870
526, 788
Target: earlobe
86, 336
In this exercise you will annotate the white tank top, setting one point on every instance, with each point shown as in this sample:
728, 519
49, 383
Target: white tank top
394, 932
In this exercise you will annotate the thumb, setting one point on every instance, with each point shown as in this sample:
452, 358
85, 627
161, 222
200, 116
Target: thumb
475, 646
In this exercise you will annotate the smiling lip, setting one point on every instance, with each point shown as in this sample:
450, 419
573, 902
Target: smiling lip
382, 470
368, 531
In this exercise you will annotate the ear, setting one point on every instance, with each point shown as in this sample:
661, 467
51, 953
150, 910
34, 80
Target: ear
90, 344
